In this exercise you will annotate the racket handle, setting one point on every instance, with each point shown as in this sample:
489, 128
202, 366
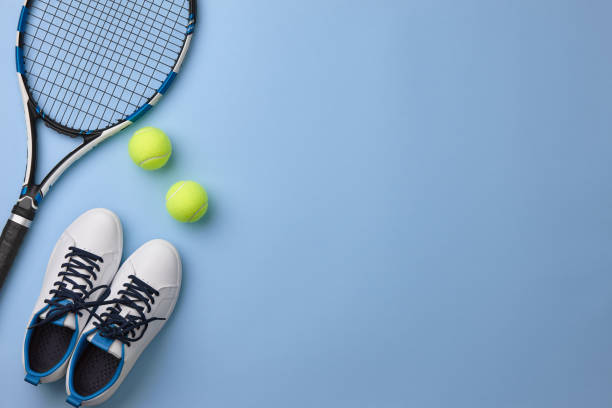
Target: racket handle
10, 241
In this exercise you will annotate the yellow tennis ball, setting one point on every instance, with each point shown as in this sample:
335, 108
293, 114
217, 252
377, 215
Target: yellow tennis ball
187, 201
150, 148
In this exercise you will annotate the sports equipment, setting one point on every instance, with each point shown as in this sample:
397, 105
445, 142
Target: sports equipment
150, 148
84, 261
187, 201
88, 69
142, 296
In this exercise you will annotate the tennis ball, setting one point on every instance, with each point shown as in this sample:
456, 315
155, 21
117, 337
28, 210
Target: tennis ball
150, 148
187, 201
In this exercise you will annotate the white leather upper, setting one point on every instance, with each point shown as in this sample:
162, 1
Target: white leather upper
158, 264
98, 231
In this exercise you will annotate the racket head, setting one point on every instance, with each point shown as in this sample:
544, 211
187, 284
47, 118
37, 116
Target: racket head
92, 67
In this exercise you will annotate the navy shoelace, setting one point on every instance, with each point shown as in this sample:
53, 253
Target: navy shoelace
112, 325
81, 265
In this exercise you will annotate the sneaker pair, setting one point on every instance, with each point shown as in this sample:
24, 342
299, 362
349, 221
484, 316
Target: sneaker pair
93, 319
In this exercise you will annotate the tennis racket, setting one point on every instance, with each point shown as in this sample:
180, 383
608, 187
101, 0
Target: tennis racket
88, 69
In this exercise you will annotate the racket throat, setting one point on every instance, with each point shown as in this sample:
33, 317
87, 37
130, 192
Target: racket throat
25, 209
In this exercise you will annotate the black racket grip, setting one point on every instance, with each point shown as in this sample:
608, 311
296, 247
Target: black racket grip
10, 241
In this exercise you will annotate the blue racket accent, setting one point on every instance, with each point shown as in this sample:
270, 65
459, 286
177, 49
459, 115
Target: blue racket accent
136, 115
22, 18
19, 59
162, 89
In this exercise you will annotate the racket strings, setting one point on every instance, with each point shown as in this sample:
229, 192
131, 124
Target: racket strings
89, 20
90, 64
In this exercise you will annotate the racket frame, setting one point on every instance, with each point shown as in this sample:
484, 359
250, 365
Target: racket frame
32, 193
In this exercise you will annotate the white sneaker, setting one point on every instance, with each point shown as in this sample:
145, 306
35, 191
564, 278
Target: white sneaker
143, 295
83, 263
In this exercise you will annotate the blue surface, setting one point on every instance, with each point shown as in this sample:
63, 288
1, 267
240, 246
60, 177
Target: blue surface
411, 206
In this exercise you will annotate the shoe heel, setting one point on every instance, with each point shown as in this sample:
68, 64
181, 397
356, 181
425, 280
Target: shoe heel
32, 379
72, 400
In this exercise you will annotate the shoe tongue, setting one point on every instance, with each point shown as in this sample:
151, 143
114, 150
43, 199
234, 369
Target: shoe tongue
68, 320
111, 346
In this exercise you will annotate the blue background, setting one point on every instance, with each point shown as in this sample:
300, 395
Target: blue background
411, 206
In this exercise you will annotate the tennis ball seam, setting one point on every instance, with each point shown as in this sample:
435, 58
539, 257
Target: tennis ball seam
196, 213
153, 158
177, 190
